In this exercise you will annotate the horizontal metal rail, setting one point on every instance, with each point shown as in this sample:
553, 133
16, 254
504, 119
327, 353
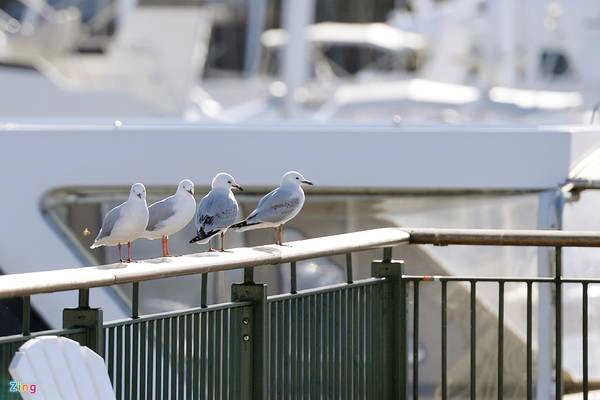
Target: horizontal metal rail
19, 285
503, 237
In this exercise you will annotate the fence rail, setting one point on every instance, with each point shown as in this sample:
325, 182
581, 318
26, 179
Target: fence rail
352, 341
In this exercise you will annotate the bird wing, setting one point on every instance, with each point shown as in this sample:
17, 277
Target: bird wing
216, 211
160, 212
277, 206
110, 219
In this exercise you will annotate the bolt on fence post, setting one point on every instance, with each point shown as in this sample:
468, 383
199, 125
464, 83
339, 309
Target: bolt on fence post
395, 346
254, 341
85, 317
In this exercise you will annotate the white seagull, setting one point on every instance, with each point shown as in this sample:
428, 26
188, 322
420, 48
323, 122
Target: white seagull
277, 207
217, 210
171, 215
125, 222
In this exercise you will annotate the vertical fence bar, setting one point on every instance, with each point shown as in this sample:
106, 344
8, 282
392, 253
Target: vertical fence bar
529, 343
345, 346
196, 357
84, 298
159, 358
225, 363
203, 356
558, 321
273, 356
135, 300
249, 275
167, 368
110, 357
357, 335
211, 355
416, 340
143, 363
293, 278
218, 351
26, 318
181, 353
174, 369
473, 343
349, 277
119, 349
500, 340
135, 361
306, 348
584, 323
394, 343
150, 369
203, 290
326, 390
188, 355
127, 365
282, 351
295, 353
286, 346
444, 302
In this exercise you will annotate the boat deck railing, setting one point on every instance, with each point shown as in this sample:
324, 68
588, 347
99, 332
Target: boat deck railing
350, 340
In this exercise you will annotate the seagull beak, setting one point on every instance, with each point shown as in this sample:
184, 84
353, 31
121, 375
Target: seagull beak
307, 182
238, 187
190, 192
139, 195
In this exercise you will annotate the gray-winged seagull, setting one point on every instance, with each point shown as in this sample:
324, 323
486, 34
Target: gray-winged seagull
171, 215
125, 223
277, 207
217, 210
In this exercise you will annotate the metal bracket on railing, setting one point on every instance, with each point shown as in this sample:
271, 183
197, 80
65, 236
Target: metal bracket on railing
85, 317
254, 340
395, 362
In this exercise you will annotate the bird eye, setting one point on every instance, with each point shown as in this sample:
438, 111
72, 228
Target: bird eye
229, 182
297, 178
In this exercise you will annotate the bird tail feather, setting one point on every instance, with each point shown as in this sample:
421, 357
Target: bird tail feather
203, 237
244, 225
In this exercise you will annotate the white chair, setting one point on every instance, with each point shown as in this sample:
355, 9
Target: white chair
60, 369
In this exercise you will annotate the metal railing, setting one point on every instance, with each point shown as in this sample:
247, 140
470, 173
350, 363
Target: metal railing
349, 340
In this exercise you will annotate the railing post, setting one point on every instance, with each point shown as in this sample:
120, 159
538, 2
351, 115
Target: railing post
254, 342
395, 355
85, 317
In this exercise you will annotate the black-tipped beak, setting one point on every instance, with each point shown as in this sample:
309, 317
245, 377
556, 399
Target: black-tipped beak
139, 195
190, 192
238, 187
307, 182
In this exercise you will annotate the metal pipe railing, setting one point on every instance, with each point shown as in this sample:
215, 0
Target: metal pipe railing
19, 285
503, 237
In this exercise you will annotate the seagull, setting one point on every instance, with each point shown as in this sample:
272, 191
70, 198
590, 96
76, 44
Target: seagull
277, 207
171, 215
217, 210
125, 222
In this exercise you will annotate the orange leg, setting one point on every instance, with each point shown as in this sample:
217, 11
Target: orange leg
129, 259
278, 235
222, 241
120, 256
165, 246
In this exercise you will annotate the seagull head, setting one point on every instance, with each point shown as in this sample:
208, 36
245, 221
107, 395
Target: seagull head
138, 190
224, 180
186, 185
294, 178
